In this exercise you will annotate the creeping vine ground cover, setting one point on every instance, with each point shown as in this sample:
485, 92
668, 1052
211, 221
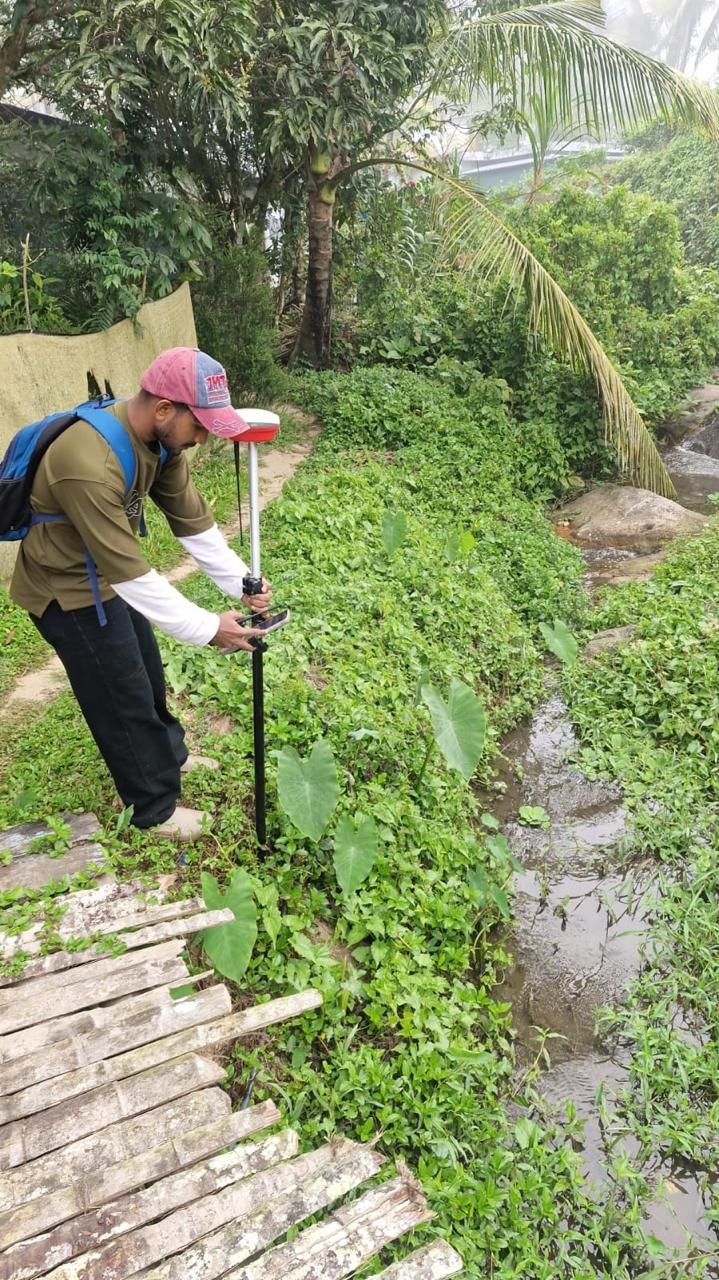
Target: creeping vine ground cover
409, 1043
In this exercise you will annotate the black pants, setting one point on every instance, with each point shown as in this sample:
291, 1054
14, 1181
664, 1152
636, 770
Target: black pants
116, 675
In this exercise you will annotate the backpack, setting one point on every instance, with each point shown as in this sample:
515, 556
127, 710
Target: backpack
22, 459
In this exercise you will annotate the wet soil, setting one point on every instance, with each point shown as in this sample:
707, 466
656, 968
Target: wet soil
577, 941
575, 944
580, 923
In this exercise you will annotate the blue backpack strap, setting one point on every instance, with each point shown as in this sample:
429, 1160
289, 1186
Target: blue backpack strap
112, 430
95, 587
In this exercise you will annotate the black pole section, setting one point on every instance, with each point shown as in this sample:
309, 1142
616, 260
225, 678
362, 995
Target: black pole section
236, 444
258, 719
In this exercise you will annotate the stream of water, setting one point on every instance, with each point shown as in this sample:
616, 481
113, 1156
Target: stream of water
579, 923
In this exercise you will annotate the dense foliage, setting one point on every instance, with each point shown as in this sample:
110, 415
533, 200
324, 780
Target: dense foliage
409, 1039
619, 254
235, 319
103, 238
681, 168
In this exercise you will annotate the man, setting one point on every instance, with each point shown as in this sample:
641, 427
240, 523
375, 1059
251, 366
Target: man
115, 669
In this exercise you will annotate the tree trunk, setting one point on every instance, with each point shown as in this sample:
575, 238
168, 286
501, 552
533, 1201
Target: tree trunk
24, 17
313, 340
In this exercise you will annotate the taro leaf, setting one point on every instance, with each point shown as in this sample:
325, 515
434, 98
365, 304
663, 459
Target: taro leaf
459, 543
459, 725
394, 530
560, 641
451, 548
355, 852
308, 789
229, 946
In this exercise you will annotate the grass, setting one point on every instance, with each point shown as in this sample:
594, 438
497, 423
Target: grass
407, 1043
21, 647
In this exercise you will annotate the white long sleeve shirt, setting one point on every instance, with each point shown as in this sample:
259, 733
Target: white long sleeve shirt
164, 606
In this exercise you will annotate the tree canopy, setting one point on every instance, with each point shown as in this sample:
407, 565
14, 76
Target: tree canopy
238, 108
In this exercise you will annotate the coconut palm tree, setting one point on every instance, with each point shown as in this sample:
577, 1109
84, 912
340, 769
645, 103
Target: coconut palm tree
556, 54
692, 32
680, 32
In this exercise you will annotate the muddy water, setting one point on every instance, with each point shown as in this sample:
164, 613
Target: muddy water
580, 925
575, 944
577, 941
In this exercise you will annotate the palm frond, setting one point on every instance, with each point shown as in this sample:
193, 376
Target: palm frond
491, 252
709, 42
526, 52
683, 31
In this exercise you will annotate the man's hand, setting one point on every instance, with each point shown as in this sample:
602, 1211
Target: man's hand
230, 636
261, 602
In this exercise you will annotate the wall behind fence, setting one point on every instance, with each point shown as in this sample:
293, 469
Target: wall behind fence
43, 373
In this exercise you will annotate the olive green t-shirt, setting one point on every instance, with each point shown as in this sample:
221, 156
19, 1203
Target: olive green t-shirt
81, 477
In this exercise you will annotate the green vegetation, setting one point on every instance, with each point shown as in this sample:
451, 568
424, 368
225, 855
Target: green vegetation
649, 716
620, 256
134, 188
21, 646
425, 581
682, 169
409, 1039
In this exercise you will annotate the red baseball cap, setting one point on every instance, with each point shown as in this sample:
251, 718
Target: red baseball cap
189, 376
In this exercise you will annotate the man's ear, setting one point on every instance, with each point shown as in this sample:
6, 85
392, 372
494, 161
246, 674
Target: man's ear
163, 411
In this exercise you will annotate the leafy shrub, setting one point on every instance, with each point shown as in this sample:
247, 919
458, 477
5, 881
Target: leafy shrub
234, 313
620, 259
681, 168
44, 309
111, 239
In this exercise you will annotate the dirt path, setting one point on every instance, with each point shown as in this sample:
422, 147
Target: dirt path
276, 467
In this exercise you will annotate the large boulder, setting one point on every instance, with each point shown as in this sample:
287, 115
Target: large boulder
618, 516
608, 641
706, 440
